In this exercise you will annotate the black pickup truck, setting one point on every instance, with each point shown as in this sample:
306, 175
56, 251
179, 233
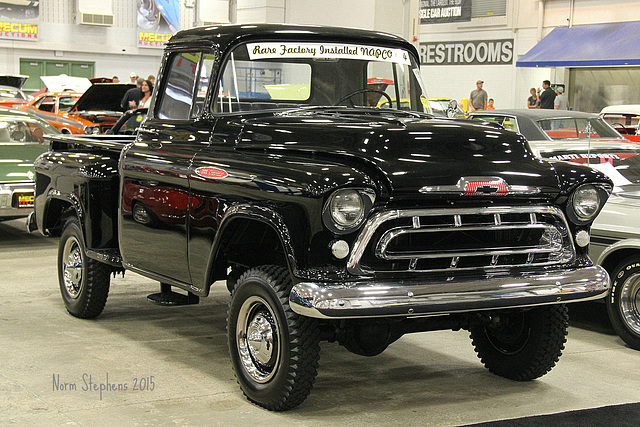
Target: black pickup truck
301, 164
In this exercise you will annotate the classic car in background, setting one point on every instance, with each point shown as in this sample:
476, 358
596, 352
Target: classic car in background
615, 235
94, 111
11, 94
444, 107
21, 142
625, 119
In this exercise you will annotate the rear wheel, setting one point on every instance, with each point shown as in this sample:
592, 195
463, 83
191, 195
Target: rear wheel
274, 351
623, 303
522, 345
84, 282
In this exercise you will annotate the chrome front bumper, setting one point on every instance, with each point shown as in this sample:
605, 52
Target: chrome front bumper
411, 298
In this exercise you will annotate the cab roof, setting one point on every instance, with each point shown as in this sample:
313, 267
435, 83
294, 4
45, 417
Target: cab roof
226, 35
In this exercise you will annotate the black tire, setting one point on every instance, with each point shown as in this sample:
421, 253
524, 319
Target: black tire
84, 282
522, 345
623, 302
277, 370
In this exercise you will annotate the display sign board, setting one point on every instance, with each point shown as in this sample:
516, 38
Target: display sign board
19, 20
157, 20
439, 11
473, 52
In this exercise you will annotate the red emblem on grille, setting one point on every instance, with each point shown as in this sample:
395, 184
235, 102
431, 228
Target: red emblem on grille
213, 173
496, 188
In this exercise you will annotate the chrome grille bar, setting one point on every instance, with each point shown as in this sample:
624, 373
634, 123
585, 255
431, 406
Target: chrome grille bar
536, 234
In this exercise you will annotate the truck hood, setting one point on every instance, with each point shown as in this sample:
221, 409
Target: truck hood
410, 154
16, 161
16, 81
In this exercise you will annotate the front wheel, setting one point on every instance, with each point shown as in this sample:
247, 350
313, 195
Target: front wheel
84, 282
623, 303
274, 351
522, 345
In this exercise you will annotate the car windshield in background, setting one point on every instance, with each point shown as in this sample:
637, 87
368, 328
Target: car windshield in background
24, 131
573, 128
291, 75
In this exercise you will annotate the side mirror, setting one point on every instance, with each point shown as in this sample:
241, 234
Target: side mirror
452, 108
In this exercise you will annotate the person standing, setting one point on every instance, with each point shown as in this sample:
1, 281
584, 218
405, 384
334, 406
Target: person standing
478, 98
147, 91
490, 104
133, 96
532, 102
547, 96
561, 102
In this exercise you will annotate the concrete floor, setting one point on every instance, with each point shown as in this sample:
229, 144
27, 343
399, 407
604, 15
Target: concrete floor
47, 358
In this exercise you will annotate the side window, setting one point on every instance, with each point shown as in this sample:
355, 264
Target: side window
47, 104
203, 83
179, 87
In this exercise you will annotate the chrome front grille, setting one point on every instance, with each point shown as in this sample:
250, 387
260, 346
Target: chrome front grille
462, 239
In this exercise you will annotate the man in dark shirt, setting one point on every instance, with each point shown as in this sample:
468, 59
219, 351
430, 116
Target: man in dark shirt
547, 96
133, 96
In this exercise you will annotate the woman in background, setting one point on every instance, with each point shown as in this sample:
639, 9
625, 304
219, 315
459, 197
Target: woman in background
533, 101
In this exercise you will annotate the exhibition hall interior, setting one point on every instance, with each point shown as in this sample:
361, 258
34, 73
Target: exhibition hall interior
294, 212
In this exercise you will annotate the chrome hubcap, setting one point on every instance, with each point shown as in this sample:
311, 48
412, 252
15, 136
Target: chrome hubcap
630, 302
72, 267
257, 339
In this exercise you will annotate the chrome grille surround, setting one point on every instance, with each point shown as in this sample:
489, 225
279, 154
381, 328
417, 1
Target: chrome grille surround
555, 245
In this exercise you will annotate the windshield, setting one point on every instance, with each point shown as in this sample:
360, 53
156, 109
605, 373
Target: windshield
24, 130
572, 128
291, 75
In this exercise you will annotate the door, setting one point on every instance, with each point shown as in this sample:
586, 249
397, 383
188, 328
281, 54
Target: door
155, 199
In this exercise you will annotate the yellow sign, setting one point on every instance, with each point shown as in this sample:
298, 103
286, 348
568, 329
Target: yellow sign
149, 39
18, 30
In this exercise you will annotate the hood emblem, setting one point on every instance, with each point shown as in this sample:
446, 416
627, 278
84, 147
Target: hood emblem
495, 187
480, 186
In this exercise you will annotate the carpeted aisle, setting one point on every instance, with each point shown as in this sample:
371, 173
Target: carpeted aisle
610, 416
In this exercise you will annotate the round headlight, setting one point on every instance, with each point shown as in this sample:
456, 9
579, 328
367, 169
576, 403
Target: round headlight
346, 207
586, 202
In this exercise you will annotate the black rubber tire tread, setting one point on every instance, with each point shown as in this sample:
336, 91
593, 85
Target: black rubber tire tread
96, 278
546, 327
620, 274
299, 365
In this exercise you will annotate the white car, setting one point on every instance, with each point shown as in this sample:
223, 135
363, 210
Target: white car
624, 118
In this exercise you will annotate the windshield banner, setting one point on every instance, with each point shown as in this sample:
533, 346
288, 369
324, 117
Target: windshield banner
19, 21
272, 50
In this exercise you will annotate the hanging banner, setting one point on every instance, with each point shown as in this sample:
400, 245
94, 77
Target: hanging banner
157, 20
19, 20
439, 11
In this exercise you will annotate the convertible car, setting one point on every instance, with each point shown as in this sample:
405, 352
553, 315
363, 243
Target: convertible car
21, 141
625, 119
615, 235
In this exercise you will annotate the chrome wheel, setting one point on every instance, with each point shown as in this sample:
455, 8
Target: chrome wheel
630, 302
72, 267
258, 339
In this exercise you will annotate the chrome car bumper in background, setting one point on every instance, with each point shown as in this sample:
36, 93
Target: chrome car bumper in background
16, 199
411, 298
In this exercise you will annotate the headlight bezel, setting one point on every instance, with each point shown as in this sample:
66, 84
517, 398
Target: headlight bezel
577, 211
366, 198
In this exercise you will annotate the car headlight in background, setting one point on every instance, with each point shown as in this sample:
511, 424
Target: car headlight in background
92, 130
346, 209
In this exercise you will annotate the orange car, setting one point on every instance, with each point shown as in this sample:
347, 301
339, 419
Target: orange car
94, 111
